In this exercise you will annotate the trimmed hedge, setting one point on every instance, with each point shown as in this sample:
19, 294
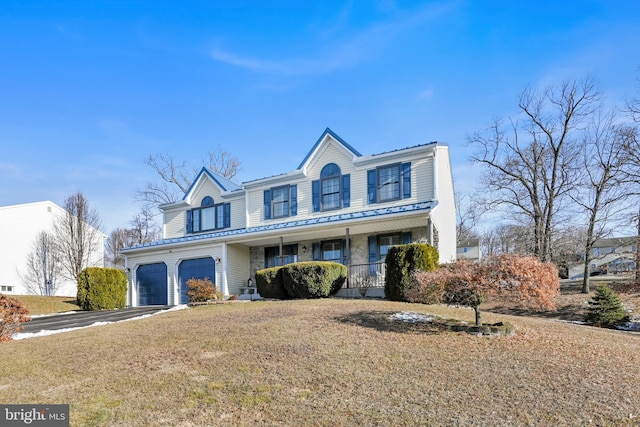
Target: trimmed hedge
102, 288
269, 283
315, 279
401, 262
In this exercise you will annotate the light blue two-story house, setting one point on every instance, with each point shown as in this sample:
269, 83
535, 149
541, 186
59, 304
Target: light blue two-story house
338, 205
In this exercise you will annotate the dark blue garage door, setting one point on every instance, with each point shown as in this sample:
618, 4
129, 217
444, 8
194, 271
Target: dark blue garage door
198, 268
152, 284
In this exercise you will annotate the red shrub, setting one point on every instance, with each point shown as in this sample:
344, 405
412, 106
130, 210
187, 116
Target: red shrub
200, 290
12, 314
524, 281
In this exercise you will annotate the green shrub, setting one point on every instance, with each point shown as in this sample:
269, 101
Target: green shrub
401, 262
269, 283
605, 309
12, 314
315, 279
102, 288
201, 290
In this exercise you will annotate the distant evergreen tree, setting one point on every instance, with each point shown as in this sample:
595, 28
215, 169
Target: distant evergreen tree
605, 309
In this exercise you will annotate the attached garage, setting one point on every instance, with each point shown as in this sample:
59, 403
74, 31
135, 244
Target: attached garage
151, 280
198, 268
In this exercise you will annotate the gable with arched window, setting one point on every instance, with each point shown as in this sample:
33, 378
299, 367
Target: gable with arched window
209, 216
332, 190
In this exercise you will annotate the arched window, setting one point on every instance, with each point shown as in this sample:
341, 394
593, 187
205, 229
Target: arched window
207, 201
330, 186
332, 190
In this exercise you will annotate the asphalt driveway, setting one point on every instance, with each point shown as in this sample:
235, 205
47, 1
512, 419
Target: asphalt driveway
86, 318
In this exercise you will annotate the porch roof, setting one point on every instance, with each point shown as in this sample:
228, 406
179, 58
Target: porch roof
257, 232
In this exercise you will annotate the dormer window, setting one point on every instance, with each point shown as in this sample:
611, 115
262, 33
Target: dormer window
208, 216
332, 190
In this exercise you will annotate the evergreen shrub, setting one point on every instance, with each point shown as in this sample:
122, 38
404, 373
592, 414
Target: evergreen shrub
102, 288
269, 283
314, 279
605, 309
401, 263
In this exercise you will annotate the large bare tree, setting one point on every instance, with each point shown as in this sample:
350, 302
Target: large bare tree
175, 177
602, 191
78, 236
43, 269
531, 166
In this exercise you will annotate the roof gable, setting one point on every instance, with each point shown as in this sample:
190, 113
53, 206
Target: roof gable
221, 182
327, 137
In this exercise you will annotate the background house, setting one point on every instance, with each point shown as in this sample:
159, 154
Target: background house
616, 255
469, 249
19, 226
338, 205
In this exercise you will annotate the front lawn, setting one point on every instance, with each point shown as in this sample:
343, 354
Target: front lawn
327, 362
38, 305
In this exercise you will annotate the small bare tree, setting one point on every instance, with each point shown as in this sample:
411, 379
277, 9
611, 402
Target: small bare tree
143, 230
468, 213
43, 269
176, 177
78, 236
601, 191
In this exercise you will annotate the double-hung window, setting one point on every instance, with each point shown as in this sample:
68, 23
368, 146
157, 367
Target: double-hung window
330, 250
280, 202
332, 190
208, 216
272, 257
379, 244
389, 182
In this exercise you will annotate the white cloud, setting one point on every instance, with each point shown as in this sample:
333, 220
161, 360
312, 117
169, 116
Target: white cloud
339, 54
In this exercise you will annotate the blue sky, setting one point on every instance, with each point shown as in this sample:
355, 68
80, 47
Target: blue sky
89, 89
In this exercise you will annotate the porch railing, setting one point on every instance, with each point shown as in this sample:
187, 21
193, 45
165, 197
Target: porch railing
367, 275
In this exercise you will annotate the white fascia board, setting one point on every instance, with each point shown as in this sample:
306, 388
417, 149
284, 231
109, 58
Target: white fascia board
424, 151
270, 181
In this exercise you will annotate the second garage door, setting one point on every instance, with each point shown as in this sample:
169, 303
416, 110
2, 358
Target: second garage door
198, 268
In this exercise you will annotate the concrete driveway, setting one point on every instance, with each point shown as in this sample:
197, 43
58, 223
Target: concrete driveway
86, 318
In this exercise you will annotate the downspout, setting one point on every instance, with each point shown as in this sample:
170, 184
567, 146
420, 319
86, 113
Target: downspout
434, 192
223, 275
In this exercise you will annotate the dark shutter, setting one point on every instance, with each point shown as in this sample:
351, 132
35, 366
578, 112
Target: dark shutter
346, 191
227, 215
406, 180
406, 238
315, 249
189, 221
371, 185
267, 204
315, 195
293, 191
373, 249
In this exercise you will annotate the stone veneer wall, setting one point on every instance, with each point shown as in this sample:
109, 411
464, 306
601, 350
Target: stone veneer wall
359, 249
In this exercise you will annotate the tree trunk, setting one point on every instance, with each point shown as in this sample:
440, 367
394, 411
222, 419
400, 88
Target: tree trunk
476, 308
585, 280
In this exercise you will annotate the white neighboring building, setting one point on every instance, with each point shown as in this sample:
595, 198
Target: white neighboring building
19, 226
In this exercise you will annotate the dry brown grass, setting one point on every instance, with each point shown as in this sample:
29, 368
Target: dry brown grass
46, 305
327, 362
